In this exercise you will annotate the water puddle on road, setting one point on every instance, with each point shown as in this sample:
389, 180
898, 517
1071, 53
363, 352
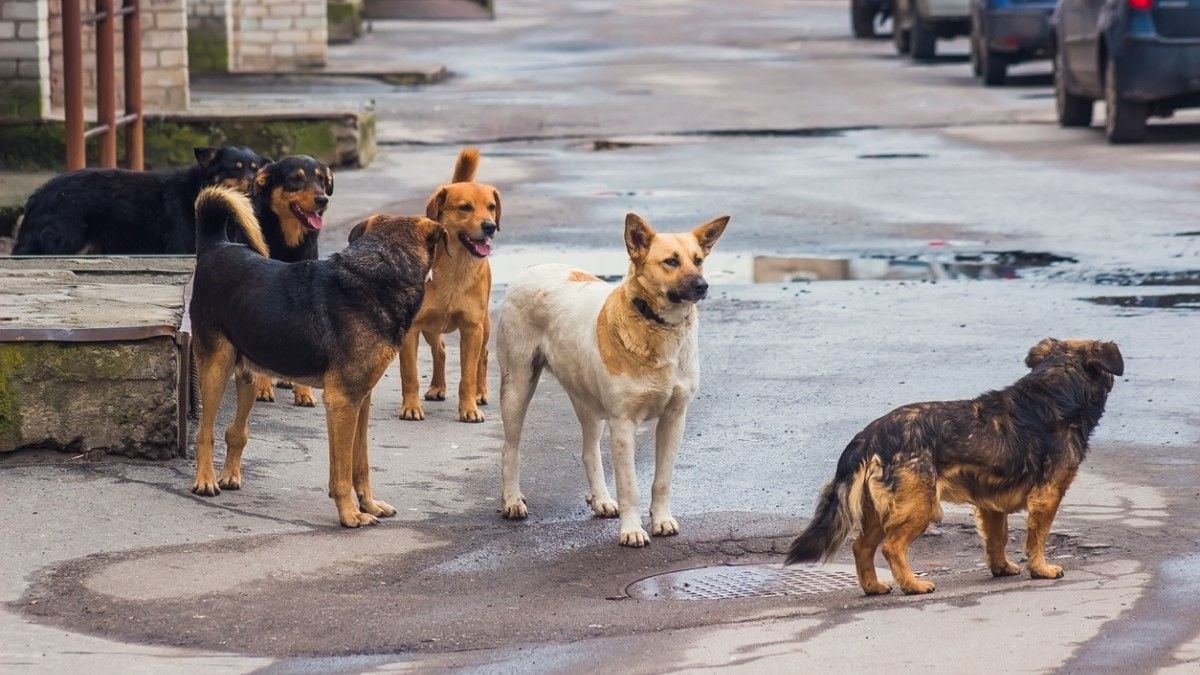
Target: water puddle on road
1168, 301
746, 268
1152, 278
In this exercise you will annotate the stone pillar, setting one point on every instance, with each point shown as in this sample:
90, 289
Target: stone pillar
208, 35
164, 58
278, 35
24, 59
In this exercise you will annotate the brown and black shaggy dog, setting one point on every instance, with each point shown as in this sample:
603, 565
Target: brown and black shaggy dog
1007, 450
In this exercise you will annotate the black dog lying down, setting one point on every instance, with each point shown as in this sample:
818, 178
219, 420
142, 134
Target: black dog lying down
116, 211
335, 323
1009, 450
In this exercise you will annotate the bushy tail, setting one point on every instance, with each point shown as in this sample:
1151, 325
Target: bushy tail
464, 168
838, 512
216, 207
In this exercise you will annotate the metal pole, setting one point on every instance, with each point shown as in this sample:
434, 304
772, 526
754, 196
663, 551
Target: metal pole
133, 85
106, 82
72, 39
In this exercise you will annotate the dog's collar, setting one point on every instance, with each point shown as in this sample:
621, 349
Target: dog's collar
643, 308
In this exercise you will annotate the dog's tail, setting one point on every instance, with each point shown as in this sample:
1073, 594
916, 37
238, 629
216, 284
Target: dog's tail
839, 511
464, 168
216, 208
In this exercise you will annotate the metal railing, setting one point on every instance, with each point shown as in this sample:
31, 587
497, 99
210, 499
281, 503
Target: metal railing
104, 19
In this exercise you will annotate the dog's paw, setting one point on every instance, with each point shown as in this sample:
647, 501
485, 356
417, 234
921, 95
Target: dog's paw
376, 508
472, 415
435, 394
877, 588
357, 519
230, 480
1009, 569
664, 528
515, 509
1046, 572
206, 486
917, 587
265, 393
636, 538
603, 507
303, 397
413, 413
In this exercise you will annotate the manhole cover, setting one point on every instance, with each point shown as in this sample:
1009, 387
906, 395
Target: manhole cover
727, 582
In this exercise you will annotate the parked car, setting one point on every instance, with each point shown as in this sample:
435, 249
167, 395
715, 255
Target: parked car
1005, 32
919, 24
865, 15
1142, 57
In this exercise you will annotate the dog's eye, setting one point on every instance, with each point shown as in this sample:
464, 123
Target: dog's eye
492, 208
466, 207
671, 262
699, 261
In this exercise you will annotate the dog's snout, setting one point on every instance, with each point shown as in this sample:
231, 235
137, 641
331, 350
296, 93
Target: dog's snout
321, 201
489, 228
699, 287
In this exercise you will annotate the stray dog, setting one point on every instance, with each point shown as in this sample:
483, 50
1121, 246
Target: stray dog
333, 323
456, 298
1007, 450
290, 198
119, 212
624, 354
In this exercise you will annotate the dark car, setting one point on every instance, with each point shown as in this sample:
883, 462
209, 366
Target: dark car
865, 15
1142, 57
917, 25
1004, 32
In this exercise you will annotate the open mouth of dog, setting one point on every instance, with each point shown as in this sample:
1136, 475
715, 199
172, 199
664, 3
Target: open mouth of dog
480, 248
313, 220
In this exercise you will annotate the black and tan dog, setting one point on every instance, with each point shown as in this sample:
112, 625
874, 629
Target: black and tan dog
1007, 450
120, 212
335, 323
290, 198
457, 296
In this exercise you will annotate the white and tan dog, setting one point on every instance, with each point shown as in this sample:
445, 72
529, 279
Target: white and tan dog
624, 355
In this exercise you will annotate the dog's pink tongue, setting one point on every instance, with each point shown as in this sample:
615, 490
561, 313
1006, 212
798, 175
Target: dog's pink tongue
482, 248
315, 220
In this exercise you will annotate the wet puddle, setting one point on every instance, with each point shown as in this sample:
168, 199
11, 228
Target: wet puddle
1154, 278
745, 268
1168, 301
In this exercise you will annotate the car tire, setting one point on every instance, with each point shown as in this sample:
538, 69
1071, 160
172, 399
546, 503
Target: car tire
995, 68
1124, 121
862, 19
1073, 111
923, 39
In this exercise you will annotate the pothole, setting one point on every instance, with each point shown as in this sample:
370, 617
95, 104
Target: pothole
728, 582
1152, 278
1168, 301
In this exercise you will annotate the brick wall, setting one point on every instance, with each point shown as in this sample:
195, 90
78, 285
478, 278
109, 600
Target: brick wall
24, 50
164, 58
269, 35
208, 35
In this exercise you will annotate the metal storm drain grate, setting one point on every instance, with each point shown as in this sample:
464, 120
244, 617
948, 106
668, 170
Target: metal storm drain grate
727, 582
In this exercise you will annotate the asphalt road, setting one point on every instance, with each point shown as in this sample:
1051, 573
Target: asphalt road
816, 145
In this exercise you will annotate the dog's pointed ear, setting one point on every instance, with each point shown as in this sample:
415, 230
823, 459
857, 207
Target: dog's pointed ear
260, 179
1040, 351
437, 202
205, 156
1107, 357
496, 195
638, 235
708, 233
328, 182
360, 229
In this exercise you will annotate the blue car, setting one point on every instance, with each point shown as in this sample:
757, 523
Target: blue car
1004, 32
1141, 57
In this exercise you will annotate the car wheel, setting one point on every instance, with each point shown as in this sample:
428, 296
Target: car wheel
924, 39
995, 68
1124, 121
1073, 111
900, 35
862, 19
